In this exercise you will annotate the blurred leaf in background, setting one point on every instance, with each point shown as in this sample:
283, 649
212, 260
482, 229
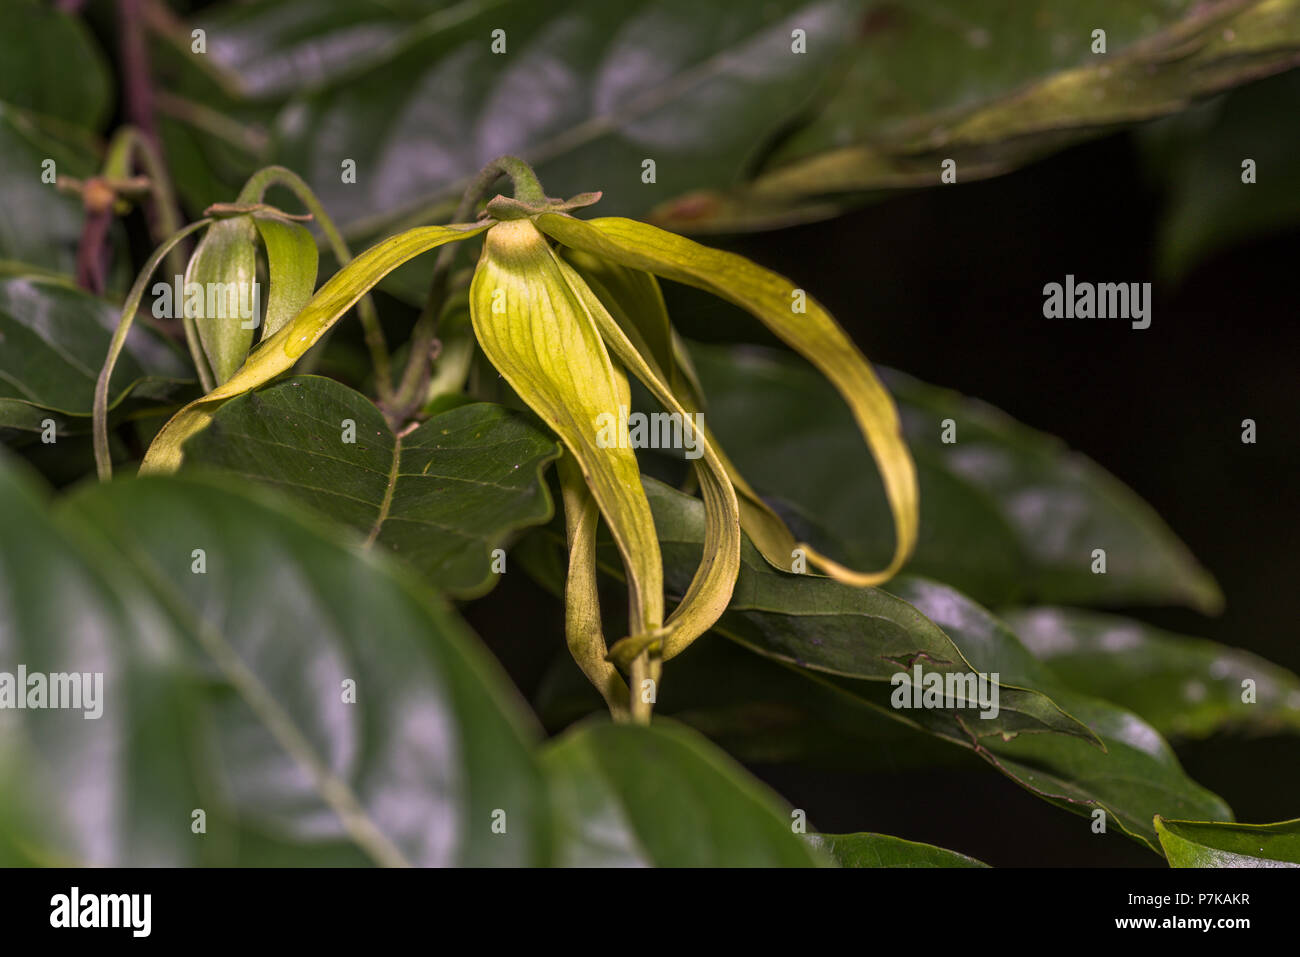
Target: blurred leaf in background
744, 130
50, 120
741, 130
55, 337
1202, 158
995, 84
984, 478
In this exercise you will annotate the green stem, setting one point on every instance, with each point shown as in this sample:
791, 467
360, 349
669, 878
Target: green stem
129, 142
103, 460
644, 668
455, 358
253, 192
527, 188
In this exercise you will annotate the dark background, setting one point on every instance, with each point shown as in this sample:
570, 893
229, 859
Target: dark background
946, 284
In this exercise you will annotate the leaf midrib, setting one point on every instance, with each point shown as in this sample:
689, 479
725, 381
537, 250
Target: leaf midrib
387, 503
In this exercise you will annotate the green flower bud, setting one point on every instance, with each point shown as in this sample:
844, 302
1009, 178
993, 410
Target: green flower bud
222, 294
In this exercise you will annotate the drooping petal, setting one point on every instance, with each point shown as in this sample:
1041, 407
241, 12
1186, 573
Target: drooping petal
291, 260
811, 332
636, 303
280, 352
533, 328
582, 626
711, 587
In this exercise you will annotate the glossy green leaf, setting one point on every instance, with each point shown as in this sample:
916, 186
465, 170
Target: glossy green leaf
37, 46
694, 86
319, 705
279, 353
992, 85
881, 850
40, 225
54, 339
1044, 738
48, 115
835, 631
765, 712
1008, 514
745, 131
1218, 844
1134, 779
629, 795
292, 259
269, 49
1183, 686
441, 497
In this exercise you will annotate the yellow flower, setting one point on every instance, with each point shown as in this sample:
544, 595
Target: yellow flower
565, 309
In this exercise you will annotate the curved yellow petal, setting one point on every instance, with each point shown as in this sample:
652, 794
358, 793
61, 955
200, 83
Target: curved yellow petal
710, 590
279, 353
533, 328
811, 332
582, 627
637, 305
292, 260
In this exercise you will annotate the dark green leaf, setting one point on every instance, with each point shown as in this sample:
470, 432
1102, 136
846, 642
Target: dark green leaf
1197, 158
586, 90
49, 114
1008, 514
714, 93
1217, 844
993, 84
859, 638
275, 48
881, 850
765, 712
40, 225
1183, 686
54, 340
629, 795
441, 497
38, 48
1135, 778
224, 691
835, 631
